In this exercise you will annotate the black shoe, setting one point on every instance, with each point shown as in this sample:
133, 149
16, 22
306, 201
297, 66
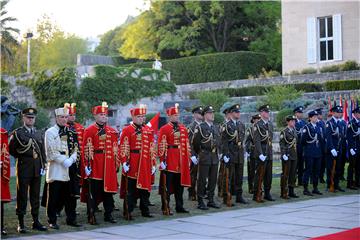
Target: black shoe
316, 191
21, 229
352, 187
240, 199
147, 215
116, 209
73, 224
38, 226
54, 226
268, 196
97, 209
213, 205
110, 219
339, 189
151, 204
182, 210
292, 193
307, 192
3, 232
202, 206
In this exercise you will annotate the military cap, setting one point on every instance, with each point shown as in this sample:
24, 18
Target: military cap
234, 108
264, 108
319, 110
208, 109
198, 109
290, 117
225, 108
312, 113
254, 117
299, 109
29, 111
356, 110
337, 109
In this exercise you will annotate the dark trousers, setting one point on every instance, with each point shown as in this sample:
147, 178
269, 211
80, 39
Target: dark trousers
312, 169
25, 185
288, 175
207, 181
267, 179
131, 197
300, 163
251, 173
60, 191
353, 170
344, 159
193, 174
236, 171
329, 167
322, 166
220, 179
173, 180
96, 192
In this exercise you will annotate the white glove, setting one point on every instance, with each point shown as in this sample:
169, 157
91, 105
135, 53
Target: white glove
126, 167
162, 165
68, 162
74, 156
42, 172
226, 159
262, 157
285, 157
352, 152
194, 160
153, 170
246, 154
334, 152
87, 170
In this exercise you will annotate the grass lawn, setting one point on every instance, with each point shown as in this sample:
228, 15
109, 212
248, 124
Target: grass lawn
11, 218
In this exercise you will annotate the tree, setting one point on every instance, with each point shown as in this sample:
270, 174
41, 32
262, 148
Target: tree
8, 41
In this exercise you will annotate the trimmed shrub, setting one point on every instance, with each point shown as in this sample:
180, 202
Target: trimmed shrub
276, 96
308, 71
350, 65
342, 85
331, 68
212, 67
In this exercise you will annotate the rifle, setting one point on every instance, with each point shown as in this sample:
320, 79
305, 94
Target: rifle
228, 194
164, 195
261, 176
332, 184
126, 213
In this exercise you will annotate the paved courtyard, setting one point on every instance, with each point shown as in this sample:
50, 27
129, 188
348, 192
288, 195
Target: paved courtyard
297, 220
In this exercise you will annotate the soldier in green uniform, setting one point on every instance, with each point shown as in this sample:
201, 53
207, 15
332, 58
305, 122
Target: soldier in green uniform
288, 140
198, 118
249, 148
221, 168
263, 135
233, 136
206, 144
26, 145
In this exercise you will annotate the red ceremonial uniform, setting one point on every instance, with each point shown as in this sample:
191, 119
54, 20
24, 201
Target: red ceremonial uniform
5, 167
101, 154
174, 150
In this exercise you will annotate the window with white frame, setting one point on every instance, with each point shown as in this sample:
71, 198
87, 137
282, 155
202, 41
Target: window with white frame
324, 38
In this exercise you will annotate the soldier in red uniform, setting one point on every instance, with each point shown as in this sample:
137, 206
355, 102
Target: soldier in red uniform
100, 164
174, 154
138, 160
5, 175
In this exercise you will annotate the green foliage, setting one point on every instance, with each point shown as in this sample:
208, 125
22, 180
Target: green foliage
278, 94
42, 118
308, 71
281, 115
214, 67
330, 68
215, 99
218, 118
350, 65
342, 85
5, 87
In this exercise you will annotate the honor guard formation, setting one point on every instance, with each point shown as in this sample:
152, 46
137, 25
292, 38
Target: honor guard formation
83, 163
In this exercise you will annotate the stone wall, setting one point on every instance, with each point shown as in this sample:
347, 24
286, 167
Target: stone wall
19, 93
294, 79
83, 59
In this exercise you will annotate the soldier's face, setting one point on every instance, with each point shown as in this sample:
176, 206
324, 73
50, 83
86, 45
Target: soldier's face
174, 118
265, 115
139, 119
291, 123
338, 115
299, 115
101, 118
61, 120
209, 117
235, 115
29, 121
72, 118
313, 119
198, 117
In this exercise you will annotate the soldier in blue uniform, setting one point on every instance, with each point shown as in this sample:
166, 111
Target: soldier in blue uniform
333, 144
353, 138
311, 140
343, 147
321, 124
299, 124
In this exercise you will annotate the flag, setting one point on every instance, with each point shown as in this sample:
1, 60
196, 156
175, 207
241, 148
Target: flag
345, 111
341, 102
154, 123
351, 108
329, 102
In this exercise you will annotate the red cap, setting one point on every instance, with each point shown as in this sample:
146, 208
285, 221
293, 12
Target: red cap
71, 107
141, 110
100, 109
173, 110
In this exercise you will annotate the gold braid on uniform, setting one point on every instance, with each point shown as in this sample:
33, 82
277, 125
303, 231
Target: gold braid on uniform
232, 136
356, 133
25, 147
125, 148
163, 146
333, 132
313, 138
265, 136
290, 143
207, 139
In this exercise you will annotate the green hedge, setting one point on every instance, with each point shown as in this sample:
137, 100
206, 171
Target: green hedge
212, 67
336, 85
280, 117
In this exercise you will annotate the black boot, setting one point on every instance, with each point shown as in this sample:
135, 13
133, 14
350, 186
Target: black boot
306, 191
37, 225
21, 225
201, 204
316, 190
240, 199
268, 196
292, 193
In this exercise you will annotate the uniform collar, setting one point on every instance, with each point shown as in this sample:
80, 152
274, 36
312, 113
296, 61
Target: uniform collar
335, 119
209, 124
28, 129
265, 121
313, 124
197, 122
